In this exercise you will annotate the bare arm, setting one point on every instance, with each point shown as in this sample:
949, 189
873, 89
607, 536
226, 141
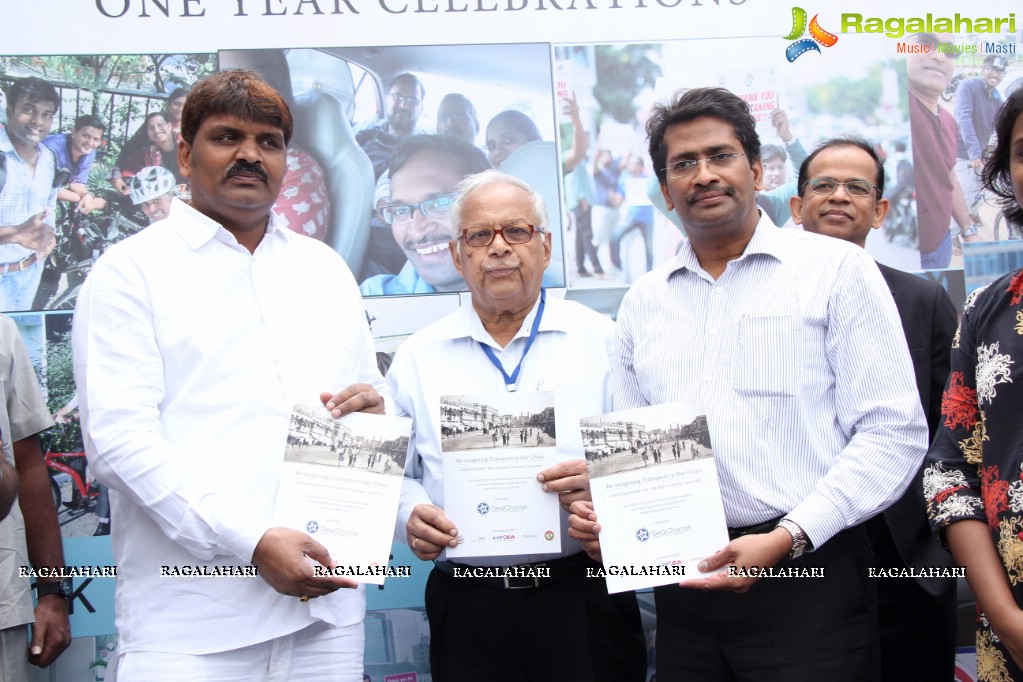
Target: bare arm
580, 140
959, 210
971, 545
51, 632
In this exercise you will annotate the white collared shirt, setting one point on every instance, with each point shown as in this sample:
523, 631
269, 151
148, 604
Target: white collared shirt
798, 355
570, 357
189, 354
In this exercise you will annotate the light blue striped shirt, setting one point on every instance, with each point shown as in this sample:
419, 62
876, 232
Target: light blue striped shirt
25, 193
799, 357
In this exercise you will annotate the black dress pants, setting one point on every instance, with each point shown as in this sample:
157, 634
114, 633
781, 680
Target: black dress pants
571, 629
782, 629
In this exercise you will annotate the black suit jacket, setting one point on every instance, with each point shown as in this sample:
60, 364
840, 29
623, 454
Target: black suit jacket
929, 321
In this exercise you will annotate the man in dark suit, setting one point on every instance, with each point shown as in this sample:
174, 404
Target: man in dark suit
840, 188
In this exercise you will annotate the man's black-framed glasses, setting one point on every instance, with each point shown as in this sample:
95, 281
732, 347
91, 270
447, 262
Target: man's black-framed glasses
680, 169
854, 188
434, 207
519, 233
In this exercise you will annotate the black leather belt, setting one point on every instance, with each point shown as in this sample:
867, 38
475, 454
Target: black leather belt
573, 566
765, 527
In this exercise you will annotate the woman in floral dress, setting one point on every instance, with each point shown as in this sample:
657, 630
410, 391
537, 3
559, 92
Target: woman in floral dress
974, 480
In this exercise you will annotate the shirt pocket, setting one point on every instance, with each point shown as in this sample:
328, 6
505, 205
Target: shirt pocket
765, 356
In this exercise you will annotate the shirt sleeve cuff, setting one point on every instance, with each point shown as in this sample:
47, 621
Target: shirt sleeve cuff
818, 518
241, 542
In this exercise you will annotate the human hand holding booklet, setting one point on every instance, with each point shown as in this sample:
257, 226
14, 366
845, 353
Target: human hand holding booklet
493, 447
340, 483
656, 495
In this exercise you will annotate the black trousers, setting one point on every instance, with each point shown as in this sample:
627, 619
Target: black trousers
782, 629
570, 630
918, 629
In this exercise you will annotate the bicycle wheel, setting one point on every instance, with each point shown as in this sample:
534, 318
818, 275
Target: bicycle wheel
65, 300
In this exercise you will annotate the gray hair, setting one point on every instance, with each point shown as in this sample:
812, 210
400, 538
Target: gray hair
472, 183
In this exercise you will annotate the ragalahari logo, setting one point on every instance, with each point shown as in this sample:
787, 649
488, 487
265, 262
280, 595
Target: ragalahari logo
817, 35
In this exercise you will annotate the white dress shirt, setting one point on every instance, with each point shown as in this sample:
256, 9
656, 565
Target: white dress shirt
570, 357
189, 353
798, 355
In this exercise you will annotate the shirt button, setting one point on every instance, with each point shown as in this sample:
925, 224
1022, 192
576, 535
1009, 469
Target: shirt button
713, 332
706, 377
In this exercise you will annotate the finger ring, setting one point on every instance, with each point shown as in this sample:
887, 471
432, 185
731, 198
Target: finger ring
415, 543
303, 598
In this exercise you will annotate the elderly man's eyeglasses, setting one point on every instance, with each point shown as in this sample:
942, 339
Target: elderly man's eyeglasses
512, 234
434, 207
403, 100
854, 188
680, 169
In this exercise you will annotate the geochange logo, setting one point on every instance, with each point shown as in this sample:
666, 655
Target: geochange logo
803, 45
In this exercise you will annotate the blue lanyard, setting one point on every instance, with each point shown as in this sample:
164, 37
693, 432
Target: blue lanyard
511, 381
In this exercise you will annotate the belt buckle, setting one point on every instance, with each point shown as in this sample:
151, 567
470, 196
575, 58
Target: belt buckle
509, 586
535, 578
17, 266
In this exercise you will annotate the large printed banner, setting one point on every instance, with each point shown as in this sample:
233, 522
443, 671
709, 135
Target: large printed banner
556, 92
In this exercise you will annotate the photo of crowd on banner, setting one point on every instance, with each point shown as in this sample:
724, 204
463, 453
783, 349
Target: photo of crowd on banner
933, 174
108, 129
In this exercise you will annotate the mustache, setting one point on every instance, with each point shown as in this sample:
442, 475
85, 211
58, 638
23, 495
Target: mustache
489, 266
713, 189
242, 166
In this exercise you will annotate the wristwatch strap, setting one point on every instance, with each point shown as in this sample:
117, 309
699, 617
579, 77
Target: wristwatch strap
799, 538
62, 588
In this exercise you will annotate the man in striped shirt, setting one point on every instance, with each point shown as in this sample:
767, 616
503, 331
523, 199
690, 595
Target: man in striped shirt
840, 188
793, 344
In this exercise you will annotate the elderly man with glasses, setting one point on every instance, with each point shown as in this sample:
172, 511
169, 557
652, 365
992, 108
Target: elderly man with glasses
557, 624
425, 171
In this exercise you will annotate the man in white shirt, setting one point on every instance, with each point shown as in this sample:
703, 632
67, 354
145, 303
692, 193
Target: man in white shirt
192, 342
793, 344
514, 337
